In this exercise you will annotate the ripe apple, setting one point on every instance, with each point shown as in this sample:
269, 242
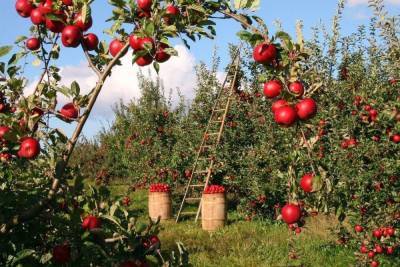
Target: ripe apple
29, 148
378, 249
389, 250
278, 104
374, 264
32, 44
272, 88
264, 53
363, 249
115, 46
37, 17
91, 222
90, 41
55, 26
162, 56
68, 2
78, 21
145, 4
70, 111
291, 213
396, 138
172, 11
296, 88
377, 233
46, 6
3, 131
140, 43
285, 115
62, 254
71, 36
306, 182
371, 254
297, 230
306, 108
390, 231
5, 157
144, 60
358, 228
24, 8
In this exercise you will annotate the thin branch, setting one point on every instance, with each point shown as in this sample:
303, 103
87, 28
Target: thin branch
90, 61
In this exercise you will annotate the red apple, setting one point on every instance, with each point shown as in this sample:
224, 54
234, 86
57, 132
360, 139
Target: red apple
29, 148
70, 111
377, 233
390, 231
296, 88
55, 26
5, 157
162, 56
285, 115
264, 53
140, 43
78, 21
115, 47
172, 11
378, 249
363, 249
144, 4
46, 6
71, 36
358, 228
389, 250
91, 222
32, 44
396, 138
3, 131
374, 264
68, 2
24, 8
306, 108
62, 254
291, 213
272, 88
144, 60
278, 104
306, 182
37, 17
91, 41
371, 254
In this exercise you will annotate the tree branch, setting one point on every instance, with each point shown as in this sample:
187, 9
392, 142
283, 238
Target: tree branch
90, 61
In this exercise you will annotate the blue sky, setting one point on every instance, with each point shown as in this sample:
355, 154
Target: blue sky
311, 12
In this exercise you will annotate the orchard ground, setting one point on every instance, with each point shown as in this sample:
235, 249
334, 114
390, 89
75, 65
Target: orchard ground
250, 243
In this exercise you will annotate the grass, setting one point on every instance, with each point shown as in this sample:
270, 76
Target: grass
248, 244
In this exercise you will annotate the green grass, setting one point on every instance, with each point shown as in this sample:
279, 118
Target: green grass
249, 244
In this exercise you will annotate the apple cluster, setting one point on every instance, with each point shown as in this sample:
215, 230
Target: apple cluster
214, 189
160, 188
284, 112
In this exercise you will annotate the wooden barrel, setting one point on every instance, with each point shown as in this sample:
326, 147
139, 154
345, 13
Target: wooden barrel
160, 205
213, 211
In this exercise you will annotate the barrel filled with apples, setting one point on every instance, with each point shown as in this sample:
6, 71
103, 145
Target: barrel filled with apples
213, 208
160, 204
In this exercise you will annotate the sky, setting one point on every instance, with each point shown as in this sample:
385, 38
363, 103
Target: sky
179, 71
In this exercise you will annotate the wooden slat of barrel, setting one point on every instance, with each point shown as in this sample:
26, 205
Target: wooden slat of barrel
160, 204
213, 211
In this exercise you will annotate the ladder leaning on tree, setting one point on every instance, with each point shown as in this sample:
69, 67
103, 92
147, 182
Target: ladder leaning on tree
202, 169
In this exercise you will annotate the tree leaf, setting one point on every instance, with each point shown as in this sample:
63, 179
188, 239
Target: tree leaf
4, 50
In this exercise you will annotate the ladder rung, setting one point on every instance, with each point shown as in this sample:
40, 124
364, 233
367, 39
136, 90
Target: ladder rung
193, 199
197, 172
197, 185
216, 121
188, 212
219, 110
212, 133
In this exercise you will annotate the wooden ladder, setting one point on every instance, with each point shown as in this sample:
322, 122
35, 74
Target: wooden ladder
212, 136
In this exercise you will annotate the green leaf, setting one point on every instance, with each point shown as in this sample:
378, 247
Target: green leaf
75, 89
156, 66
4, 50
23, 254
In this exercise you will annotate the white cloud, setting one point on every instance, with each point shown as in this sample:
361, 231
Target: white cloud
123, 84
363, 2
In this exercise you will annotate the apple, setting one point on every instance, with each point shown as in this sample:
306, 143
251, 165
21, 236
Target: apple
68, 2
37, 17
70, 111
296, 88
140, 43
389, 250
363, 249
291, 213
396, 138
55, 26
5, 157
152, 242
62, 254
91, 41
374, 264
144, 60
297, 230
24, 8
46, 6
272, 88
91, 222
115, 47
32, 44
162, 56
145, 4
278, 104
172, 11
306, 182
378, 249
3, 131
367, 107
78, 21
358, 228
371, 254
390, 231
306, 108
29, 148
377, 233
71, 36
264, 53
285, 115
